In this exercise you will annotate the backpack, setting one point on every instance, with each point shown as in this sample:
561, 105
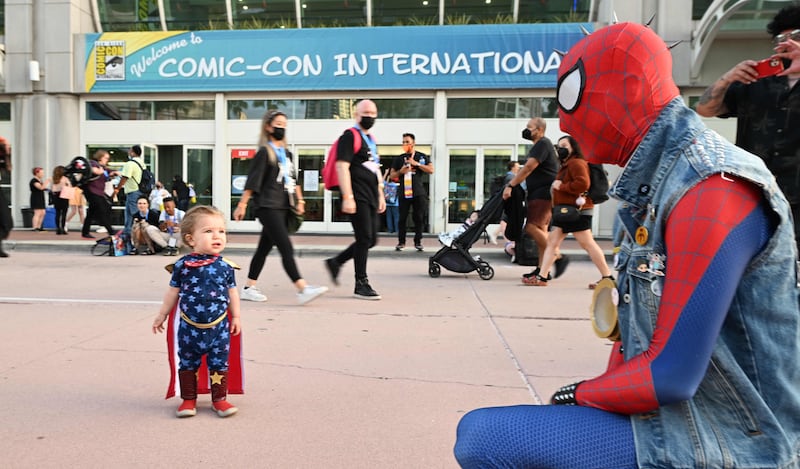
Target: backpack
148, 181
598, 185
329, 176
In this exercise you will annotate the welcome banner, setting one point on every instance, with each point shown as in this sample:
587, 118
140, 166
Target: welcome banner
367, 58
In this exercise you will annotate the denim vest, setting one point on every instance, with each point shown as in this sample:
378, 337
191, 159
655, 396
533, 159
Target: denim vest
746, 411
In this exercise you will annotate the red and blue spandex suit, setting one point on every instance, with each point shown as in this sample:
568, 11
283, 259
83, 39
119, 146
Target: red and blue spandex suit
711, 235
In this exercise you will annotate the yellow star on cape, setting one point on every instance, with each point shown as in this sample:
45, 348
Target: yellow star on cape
216, 378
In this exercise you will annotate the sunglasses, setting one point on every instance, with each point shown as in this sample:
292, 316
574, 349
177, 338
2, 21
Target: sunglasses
793, 35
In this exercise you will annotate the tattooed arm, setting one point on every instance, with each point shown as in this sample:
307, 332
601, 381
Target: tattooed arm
712, 103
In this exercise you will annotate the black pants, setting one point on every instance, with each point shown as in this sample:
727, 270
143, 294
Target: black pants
366, 223
420, 206
6, 222
62, 207
273, 233
99, 212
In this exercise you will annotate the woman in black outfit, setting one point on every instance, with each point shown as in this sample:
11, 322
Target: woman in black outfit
37, 186
99, 202
180, 191
272, 186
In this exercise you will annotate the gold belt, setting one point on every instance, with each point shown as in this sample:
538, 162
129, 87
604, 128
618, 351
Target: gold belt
201, 325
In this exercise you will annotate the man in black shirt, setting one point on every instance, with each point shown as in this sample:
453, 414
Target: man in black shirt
409, 168
539, 172
767, 109
361, 187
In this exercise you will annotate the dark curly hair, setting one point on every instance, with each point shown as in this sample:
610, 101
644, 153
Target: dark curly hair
788, 18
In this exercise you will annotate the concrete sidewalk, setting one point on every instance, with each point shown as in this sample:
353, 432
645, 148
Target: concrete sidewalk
338, 383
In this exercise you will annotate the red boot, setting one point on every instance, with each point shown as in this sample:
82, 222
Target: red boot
219, 393
188, 382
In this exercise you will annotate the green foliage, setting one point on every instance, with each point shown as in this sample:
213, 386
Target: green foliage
499, 19
458, 19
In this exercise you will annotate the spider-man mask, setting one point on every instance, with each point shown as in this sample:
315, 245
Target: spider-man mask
612, 85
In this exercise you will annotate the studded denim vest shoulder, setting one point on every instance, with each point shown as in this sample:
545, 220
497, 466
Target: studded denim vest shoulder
746, 411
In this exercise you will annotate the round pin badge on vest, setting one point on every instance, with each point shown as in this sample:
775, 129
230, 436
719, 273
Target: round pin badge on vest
642, 235
605, 299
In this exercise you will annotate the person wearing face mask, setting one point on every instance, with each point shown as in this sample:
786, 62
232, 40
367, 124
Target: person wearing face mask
271, 185
539, 172
766, 108
409, 169
570, 188
361, 187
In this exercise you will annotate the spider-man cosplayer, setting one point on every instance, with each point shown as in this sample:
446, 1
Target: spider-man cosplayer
707, 372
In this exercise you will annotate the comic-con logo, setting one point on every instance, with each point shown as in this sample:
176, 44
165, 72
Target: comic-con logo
109, 60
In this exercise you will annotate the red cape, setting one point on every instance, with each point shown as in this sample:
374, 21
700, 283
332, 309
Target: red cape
235, 362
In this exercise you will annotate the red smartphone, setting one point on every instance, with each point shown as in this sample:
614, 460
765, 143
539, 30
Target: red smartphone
769, 67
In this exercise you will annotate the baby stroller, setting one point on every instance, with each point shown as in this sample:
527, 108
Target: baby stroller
456, 257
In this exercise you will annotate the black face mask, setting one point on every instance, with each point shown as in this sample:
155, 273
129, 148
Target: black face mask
367, 122
526, 134
278, 133
562, 152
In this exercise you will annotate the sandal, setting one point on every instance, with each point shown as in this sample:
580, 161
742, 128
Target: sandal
593, 285
536, 281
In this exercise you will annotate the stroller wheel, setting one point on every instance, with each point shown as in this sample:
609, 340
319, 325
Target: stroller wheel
485, 271
434, 270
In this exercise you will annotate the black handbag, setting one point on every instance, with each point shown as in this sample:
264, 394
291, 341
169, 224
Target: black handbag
563, 214
293, 220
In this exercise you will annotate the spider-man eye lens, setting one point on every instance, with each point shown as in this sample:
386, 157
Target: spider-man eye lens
570, 88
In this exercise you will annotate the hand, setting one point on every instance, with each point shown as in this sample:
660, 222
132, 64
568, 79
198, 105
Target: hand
556, 185
236, 326
566, 395
506, 192
158, 323
238, 214
789, 50
743, 72
349, 206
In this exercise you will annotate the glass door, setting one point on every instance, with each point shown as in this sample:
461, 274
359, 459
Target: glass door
461, 184
309, 178
198, 164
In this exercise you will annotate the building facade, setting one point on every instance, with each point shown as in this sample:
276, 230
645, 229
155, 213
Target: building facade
190, 80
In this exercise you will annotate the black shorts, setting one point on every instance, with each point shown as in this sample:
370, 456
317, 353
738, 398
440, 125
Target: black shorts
584, 223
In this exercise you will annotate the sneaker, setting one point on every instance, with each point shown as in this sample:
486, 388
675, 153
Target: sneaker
419, 247
187, 409
560, 266
252, 294
492, 237
309, 293
101, 230
364, 291
333, 270
399, 247
224, 408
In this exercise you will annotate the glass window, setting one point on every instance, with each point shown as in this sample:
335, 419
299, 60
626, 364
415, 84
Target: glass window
5, 112
309, 162
501, 108
461, 186
254, 109
195, 14
480, 11
495, 162
240, 167
405, 12
150, 110
129, 15
554, 11
258, 14
333, 13
199, 163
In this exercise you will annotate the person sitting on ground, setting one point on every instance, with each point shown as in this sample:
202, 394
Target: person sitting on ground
448, 237
144, 217
167, 234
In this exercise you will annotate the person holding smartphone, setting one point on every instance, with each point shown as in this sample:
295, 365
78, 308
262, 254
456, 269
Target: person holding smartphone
766, 107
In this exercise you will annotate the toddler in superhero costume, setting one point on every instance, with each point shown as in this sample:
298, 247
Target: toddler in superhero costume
202, 303
706, 368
